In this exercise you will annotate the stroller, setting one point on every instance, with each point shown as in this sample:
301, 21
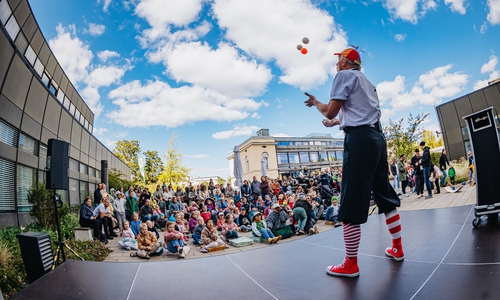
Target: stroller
327, 193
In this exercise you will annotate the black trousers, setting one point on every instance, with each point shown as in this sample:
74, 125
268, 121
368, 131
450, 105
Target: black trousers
107, 223
95, 225
436, 183
404, 184
365, 170
419, 182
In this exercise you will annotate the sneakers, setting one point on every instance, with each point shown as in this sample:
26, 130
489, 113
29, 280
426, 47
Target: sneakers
337, 224
133, 254
395, 252
428, 196
277, 239
311, 231
348, 268
419, 196
181, 253
315, 229
270, 240
406, 195
301, 232
204, 250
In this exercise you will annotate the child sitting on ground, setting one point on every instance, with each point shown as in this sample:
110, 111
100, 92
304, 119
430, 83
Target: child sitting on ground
152, 229
193, 221
147, 243
128, 238
244, 220
197, 231
332, 212
161, 222
181, 225
205, 214
260, 229
220, 221
235, 212
174, 241
135, 225
229, 228
210, 238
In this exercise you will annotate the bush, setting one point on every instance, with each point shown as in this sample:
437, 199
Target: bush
43, 207
12, 272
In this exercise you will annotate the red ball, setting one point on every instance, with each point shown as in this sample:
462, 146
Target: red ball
303, 50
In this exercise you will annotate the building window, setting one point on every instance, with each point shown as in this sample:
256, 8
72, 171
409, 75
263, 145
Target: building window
265, 156
304, 157
73, 164
7, 184
92, 187
340, 143
314, 156
66, 103
5, 12
74, 192
464, 130
98, 173
12, 28
331, 156
294, 157
64, 195
91, 172
247, 164
72, 108
60, 96
39, 67
42, 178
340, 154
84, 190
467, 145
322, 156
28, 145
8, 134
84, 168
283, 143
30, 55
282, 158
43, 152
26, 178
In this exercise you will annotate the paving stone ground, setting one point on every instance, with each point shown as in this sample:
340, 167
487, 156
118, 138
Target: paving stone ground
466, 196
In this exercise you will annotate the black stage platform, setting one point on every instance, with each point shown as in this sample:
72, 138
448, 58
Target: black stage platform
445, 258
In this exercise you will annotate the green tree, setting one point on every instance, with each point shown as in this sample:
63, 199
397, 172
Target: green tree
403, 139
128, 151
174, 170
430, 139
116, 179
152, 167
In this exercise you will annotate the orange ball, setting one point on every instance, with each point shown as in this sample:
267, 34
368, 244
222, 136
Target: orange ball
303, 50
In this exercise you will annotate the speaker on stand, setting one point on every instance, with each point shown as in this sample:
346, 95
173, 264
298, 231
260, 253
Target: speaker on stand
57, 165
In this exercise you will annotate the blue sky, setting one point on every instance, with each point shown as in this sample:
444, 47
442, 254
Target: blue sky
216, 71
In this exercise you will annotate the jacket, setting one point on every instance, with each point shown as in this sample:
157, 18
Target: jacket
226, 227
276, 221
85, 212
264, 187
146, 240
246, 190
418, 170
208, 236
255, 187
402, 171
426, 157
443, 160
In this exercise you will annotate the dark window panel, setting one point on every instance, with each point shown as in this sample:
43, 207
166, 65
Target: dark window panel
21, 42
6, 54
37, 98
7, 185
17, 82
65, 126
9, 112
37, 41
28, 144
52, 114
8, 134
31, 127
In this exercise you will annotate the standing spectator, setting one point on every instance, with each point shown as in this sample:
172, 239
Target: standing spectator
471, 167
131, 205
403, 174
394, 173
418, 173
246, 190
443, 160
119, 206
97, 195
264, 186
426, 165
255, 188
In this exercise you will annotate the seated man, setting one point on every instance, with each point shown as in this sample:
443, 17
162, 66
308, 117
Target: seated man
102, 213
276, 222
146, 212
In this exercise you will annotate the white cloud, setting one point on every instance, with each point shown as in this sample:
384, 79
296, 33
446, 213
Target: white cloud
199, 156
95, 29
105, 4
456, 6
73, 55
400, 37
494, 14
489, 67
255, 28
431, 88
106, 54
409, 10
236, 131
255, 115
484, 27
154, 102
100, 131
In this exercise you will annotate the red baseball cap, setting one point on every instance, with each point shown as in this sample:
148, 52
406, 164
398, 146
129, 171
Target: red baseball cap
351, 54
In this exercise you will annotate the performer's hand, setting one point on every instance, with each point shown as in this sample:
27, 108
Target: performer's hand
331, 123
310, 102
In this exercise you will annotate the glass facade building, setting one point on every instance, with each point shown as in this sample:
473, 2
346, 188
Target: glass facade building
37, 103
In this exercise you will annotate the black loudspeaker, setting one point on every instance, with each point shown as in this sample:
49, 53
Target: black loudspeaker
37, 254
57, 165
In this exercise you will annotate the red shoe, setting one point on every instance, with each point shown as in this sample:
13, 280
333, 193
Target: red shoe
348, 268
396, 252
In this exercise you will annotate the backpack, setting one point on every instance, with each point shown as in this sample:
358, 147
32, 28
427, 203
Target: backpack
451, 172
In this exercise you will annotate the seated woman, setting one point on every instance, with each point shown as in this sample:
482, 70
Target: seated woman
174, 241
87, 219
209, 237
229, 228
147, 243
260, 229
128, 238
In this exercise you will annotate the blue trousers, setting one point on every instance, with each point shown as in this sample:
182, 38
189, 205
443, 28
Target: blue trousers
329, 215
231, 234
427, 180
196, 238
174, 244
443, 179
266, 233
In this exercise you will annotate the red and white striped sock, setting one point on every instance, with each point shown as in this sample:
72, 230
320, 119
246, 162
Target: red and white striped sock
352, 236
392, 220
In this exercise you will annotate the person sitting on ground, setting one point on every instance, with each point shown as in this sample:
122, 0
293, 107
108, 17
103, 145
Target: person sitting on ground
244, 220
87, 219
259, 228
147, 243
332, 212
152, 228
128, 238
276, 222
161, 222
180, 223
245, 204
220, 221
236, 213
229, 228
146, 212
176, 207
135, 224
210, 238
193, 221
197, 231
174, 240
205, 214
300, 213
102, 213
